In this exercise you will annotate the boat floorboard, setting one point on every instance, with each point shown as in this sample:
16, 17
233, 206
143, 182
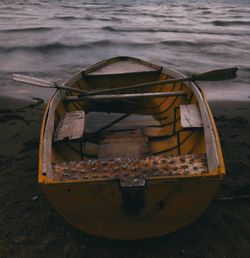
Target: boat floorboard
97, 120
126, 144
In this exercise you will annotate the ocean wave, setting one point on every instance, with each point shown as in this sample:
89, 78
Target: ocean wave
43, 47
115, 29
10, 8
85, 18
31, 29
56, 46
153, 15
238, 10
13, 15
109, 28
169, 30
202, 8
95, 3
224, 23
203, 44
96, 8
178, 43
72, 6
140, 14
68, 18
235, 16
206, 12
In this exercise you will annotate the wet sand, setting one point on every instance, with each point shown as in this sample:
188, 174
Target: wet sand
30, 227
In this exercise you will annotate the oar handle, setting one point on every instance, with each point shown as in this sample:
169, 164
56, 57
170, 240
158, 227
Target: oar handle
43, 83
32, 80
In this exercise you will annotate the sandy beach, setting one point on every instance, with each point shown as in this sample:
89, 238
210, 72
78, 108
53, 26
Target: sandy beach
30, 227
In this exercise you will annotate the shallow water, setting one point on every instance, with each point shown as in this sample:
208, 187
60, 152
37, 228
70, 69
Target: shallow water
55, 39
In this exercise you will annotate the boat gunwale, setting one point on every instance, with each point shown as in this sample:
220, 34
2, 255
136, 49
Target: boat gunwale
162, 179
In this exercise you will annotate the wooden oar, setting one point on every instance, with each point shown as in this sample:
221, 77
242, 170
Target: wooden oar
214, 75
42, 83
124, 96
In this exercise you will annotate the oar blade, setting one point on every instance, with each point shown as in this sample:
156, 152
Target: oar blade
216, 75
33, 80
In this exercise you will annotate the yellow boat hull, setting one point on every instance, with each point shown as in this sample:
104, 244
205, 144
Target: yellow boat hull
98, 208
101, 207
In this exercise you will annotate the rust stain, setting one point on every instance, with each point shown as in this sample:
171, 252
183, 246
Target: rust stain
117, 168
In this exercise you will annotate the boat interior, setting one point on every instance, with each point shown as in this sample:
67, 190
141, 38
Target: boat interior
127, 138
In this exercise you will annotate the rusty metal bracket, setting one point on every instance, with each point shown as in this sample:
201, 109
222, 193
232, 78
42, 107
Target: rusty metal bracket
133, 194
132, 182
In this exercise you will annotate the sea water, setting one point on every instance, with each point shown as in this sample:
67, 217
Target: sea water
55, 39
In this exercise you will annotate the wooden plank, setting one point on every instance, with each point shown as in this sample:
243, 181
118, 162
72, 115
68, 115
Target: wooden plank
120, 66
190, 116
71, 126
94, 121
130, 144
125, 96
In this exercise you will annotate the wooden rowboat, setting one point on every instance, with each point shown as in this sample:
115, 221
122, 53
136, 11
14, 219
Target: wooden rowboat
132, 164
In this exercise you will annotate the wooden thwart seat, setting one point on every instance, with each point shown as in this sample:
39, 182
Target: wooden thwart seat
190, 116
71, 127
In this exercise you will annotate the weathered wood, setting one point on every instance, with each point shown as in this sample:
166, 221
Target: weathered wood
120, 65
71, 127
125, 96
94, 121
130, 144
32, 80
144, 86
123, 67
190, 116
48, 132
43, 83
